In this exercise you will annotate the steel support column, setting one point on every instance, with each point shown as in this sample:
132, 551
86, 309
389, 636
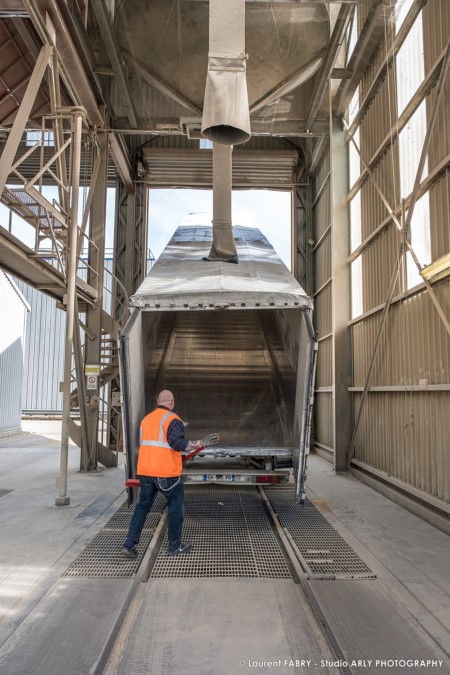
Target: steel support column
341, 298
303, 236
130, 269
94, 315
130, 240
78, 117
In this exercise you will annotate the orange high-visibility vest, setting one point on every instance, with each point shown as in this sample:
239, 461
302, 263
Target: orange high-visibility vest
156, 457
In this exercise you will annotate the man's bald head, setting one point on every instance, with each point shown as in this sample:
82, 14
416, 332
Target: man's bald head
165, 398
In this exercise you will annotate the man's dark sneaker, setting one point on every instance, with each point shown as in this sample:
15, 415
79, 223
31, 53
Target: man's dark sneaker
183, 548
130, 552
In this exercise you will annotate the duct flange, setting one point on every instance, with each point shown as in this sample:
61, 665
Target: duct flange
226, 117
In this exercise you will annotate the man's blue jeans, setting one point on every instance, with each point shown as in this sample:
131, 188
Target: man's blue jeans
173, 491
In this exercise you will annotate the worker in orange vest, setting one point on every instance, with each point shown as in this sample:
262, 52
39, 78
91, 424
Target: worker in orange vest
159, 469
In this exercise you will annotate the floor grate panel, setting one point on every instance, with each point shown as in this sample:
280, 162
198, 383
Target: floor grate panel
231, 534
103, 557
324, 551
213, 492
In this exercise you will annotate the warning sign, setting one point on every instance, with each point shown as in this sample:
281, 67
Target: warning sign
92, 369
91, 382
92, 372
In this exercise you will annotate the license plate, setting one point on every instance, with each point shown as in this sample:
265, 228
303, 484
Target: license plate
226, 478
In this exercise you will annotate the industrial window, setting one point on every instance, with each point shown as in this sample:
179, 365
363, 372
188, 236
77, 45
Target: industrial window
356, 281
35, 136
410, 73
410, 65
352, 35
355, 210
354, 159
356, 266
402, 8
205, 144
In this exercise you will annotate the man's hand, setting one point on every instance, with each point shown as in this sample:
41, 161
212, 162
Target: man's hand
211, 439
194, 445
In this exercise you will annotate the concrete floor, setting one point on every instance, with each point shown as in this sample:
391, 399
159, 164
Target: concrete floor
219, 623
40, 540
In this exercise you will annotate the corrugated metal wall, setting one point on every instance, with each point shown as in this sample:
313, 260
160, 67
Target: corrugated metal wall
12, 343
404, 429
44, 353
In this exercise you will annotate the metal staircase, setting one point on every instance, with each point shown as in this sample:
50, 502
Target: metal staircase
46, 263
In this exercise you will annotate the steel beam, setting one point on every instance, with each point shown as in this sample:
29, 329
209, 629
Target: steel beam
340, 295
58, 132
368, 41
160, 85
320, 85
176, 126
112, 48
121, 161
130, 240
289, 84
23, 115
51, 23
303, 229
130, 268
320, 147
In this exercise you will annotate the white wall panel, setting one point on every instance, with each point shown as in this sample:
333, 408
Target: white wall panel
13, 313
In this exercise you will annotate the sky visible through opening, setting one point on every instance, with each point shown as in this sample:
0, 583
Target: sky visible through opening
268, 210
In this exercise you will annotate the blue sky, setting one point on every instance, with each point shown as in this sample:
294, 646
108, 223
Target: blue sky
269, 210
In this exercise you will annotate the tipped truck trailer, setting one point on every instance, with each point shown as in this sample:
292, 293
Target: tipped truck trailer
236, 346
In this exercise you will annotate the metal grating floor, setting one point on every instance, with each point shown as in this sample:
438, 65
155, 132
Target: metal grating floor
231, 534
323, 550
214, 492
103, 557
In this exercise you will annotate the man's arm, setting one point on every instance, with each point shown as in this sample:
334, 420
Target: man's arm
175, 436
178, 442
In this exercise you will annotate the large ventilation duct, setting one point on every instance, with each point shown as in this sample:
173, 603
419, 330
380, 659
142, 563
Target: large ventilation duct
226, 117
223, 246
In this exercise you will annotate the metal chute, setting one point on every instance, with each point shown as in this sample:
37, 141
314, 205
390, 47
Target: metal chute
226, 116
